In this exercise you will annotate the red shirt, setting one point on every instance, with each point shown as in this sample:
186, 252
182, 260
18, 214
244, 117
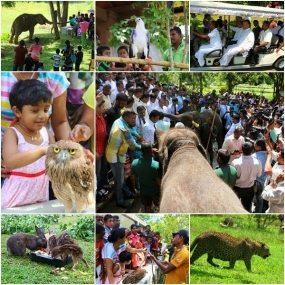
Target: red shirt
20, 55
84, 26
101, 135
99, 246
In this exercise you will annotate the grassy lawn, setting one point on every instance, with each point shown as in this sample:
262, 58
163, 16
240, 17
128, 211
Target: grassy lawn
42, 31
21, 270
265, 271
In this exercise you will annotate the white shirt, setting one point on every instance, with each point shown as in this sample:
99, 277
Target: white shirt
150, 106
238, 32
215, 39
275, 196
246, 40
232, 144
171, 109
203, 109
148, 131
107, 100
139, 123
265, 36
232, 129
164, 109
113, 95
223, 110
137, 103
248, 169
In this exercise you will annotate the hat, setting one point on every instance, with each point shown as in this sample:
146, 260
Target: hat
183, 233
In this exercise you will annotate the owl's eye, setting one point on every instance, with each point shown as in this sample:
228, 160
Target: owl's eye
56, 149
72, 151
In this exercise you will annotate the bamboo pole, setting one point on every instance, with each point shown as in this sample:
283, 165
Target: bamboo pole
210, 131
141, 61
186, 13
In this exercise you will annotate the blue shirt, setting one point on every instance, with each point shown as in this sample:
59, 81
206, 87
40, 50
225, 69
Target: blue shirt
261, 156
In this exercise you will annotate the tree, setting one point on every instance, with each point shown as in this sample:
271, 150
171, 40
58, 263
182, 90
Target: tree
54, 20
8, 4
278, 83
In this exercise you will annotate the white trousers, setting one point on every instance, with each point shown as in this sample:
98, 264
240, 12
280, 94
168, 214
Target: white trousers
201, 52
230, 51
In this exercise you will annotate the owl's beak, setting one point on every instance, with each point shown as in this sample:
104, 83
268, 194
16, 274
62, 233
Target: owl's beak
63, 157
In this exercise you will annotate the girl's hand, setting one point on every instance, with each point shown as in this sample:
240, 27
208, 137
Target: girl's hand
4, 170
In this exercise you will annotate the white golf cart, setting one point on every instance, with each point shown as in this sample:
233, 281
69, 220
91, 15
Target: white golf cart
267, 59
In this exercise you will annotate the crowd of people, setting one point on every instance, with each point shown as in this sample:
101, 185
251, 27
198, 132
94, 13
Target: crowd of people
178, 47
29, 59
34, 114
246, 41
120, 250
132, 106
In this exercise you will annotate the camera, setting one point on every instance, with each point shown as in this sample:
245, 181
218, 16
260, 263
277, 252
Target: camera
262, 130
247, 139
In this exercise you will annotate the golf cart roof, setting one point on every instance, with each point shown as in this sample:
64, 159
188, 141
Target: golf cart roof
222, 8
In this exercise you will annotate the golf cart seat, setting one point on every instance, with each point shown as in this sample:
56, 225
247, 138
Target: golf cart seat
273, 45
239, 59
215, 54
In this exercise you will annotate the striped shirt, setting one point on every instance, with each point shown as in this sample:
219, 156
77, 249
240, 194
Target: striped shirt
109, 252
55, 81
56, 57
120, 140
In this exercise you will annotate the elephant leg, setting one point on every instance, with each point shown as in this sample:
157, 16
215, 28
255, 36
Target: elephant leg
16, 37
12, 36
31, 30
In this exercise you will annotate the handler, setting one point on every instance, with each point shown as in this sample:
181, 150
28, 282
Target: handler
177, 269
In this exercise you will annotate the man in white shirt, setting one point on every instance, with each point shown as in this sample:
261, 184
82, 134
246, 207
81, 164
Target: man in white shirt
141, 119
236, 123
243, 45
215, 42
151, 104
106, 95
233, 143
264, 41
138, 92
149, 127
238, 31
114, 92
248, 169
162, 108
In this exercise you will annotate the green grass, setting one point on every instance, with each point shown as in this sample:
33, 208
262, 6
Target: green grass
21, 270
47, 40
262, 90
264, 271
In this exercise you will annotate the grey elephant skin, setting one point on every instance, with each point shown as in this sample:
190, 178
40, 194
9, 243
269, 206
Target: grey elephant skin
199, 118
26, 22
189, 184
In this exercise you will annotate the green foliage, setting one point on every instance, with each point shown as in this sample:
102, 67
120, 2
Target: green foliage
166, 224
8, 4
246, 226
82, 229
5, 36
154, 16
11, 224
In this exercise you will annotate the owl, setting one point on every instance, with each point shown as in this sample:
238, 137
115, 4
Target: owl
71, 174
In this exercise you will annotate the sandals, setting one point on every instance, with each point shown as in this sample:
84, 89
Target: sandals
102, 192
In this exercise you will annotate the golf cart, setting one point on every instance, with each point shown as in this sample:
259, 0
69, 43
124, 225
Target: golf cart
269, 58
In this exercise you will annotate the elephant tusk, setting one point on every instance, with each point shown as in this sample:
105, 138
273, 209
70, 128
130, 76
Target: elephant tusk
196, 125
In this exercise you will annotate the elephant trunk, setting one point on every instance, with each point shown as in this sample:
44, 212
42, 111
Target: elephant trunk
172, 117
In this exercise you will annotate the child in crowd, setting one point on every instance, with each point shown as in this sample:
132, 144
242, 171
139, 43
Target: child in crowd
41, 66
29, 63
119, 270
56, 60
25, 145
123, 52
104, 66
100, 231
79, 58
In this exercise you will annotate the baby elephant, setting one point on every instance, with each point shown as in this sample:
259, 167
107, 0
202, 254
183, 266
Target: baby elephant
17, 243
69, 249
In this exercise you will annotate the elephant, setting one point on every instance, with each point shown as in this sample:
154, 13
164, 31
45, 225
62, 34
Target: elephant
26, 22
188, 118
189, 184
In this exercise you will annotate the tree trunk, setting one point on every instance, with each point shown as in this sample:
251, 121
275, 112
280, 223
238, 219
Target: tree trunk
185, 51
54, 20
169, 40
201, 82
59, 17
64, 12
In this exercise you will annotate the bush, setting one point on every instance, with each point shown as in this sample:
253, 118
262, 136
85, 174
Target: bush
83, 229
5, 37
11, 224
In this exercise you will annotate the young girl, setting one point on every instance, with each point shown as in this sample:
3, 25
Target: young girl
125, 258
25, 145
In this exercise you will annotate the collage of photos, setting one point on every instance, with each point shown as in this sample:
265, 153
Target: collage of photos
161, 121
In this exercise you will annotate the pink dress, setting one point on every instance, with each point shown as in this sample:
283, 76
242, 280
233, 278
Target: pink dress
117, 279
28, 184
